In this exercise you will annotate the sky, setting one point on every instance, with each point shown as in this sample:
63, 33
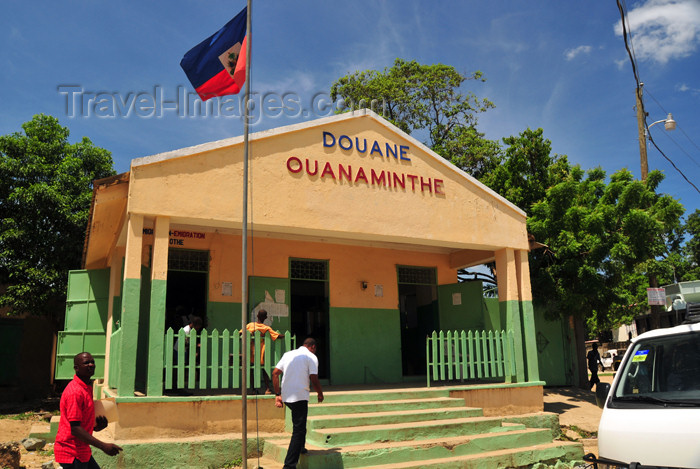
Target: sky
110, 71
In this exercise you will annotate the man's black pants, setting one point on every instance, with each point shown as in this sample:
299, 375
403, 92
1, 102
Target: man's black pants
300, 410
594, 377
76, 464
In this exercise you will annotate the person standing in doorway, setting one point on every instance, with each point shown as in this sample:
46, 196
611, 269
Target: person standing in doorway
77, 422
274, 335
298, 368
593, 358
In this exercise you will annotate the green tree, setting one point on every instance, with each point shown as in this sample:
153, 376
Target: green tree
604, 244
691, 268
45, 196
528, 169
428, 99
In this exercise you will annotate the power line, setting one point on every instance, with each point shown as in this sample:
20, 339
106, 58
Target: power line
640, 101
681, 148
672, 163
679, 128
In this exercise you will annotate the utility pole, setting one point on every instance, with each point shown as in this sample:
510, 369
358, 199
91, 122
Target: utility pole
654, 310
642, 132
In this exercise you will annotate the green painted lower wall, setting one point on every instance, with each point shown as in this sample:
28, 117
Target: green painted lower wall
222, 316
365, 346
510, 310
468, 314
116, 312
129, 336
555, 350
530, 339
154, 383
199, 454
492, 314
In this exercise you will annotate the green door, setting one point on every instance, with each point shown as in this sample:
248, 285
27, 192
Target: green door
272, 295
86, 321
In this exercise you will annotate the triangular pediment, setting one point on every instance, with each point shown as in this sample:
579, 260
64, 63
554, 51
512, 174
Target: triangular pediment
350, 178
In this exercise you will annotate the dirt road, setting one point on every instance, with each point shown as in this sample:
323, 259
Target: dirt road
578, 412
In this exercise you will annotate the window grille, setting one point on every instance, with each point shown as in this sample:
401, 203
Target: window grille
417, 275
303, 269
190, 261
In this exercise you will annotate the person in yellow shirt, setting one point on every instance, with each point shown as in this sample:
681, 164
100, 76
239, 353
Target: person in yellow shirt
260, 325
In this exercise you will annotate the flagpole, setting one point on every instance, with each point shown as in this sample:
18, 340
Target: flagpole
244, 248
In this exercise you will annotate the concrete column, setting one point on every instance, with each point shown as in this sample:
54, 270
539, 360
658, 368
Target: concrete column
159, 274
115, 270
131, 298
522, 268
509, 305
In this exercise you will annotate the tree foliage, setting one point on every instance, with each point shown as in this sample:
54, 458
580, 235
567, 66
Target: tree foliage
527, 170
605, 242
428, 99
45, 196
689, 263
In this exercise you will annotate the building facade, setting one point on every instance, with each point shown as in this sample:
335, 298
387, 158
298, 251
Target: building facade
356, 232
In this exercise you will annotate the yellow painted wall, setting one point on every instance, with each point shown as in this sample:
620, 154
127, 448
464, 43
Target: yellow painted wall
348, 266
202, 184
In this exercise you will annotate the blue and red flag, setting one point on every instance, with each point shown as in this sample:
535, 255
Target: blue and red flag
216, 66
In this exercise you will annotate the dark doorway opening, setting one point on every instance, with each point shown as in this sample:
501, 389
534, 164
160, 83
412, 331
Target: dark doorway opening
187, 289
418, 308
309, 308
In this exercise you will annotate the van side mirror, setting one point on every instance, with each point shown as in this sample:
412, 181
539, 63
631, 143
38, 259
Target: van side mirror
601, 393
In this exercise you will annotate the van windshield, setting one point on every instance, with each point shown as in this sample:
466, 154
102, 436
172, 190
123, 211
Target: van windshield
662, 371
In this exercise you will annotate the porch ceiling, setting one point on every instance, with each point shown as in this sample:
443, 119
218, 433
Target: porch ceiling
107, 215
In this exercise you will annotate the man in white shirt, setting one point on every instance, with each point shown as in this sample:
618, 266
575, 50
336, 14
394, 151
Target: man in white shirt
298, 368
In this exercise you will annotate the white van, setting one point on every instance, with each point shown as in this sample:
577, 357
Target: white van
607, 358
651, 412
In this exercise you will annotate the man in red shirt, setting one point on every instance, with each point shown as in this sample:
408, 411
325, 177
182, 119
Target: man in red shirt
72, 448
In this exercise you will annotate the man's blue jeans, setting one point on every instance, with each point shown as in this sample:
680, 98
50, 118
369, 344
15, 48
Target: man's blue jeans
300, 410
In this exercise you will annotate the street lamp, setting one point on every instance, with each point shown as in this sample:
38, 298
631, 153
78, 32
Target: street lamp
669, 123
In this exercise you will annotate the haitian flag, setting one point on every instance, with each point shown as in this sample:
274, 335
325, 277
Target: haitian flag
216, 66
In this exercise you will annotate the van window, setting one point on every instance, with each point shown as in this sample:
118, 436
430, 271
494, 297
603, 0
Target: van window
665, 369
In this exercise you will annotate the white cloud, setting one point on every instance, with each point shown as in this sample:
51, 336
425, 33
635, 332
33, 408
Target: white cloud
663, 30
571, 54
684, 88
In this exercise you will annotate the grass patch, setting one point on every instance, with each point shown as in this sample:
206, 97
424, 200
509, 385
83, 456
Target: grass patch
45, 452
22, 416
238, 462
583, 433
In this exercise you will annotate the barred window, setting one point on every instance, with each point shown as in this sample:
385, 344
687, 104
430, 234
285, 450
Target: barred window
190, 261
417, 275
304, 269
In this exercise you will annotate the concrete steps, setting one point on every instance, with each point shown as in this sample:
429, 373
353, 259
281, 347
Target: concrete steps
389, 417
416, 429
329, 408
512, 458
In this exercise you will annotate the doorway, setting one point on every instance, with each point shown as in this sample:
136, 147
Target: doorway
186, 293
418, 308
308, 285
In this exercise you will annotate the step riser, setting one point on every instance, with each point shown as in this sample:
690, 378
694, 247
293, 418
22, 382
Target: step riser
524, 458
363, 420
365, 436
339, 396
350, 408
418, 451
